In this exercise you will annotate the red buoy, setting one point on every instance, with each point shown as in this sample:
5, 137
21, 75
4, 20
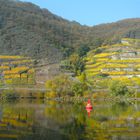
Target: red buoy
88, 107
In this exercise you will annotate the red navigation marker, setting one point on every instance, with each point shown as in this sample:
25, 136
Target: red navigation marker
89, 107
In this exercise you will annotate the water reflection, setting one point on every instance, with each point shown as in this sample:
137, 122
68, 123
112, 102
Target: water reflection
51, 120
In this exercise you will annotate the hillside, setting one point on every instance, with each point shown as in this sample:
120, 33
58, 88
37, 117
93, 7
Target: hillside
17, 70
27, 30
117, 61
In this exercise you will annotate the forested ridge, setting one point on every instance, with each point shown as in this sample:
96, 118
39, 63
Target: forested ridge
26, 29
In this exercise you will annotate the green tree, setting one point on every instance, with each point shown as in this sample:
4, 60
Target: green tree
63, 85
59, 86
82, 51
77, 64
78, 88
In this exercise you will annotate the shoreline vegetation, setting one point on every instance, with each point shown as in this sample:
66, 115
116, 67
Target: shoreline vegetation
66, 88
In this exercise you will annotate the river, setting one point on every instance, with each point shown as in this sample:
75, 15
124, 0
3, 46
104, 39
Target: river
36, 119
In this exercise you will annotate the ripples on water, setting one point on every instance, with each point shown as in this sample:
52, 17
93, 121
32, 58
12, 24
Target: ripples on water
59, 120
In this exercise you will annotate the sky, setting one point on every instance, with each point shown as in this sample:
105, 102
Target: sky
92, 12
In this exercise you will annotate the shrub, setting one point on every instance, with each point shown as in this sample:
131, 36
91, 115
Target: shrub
82, 51
60, 85
118, 88
64, 85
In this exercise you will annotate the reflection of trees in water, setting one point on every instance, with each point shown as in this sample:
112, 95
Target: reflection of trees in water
69, 117
123, 120
76, 128
72, 121
69, 121
15, 122
103, 121
45, 134
120, 107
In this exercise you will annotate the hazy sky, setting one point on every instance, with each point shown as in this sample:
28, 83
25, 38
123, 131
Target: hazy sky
92, 12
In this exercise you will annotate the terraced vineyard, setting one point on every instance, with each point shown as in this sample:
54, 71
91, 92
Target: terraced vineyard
118, 61
16, 70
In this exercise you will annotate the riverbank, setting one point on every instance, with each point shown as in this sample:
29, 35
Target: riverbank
24, 88
11, 95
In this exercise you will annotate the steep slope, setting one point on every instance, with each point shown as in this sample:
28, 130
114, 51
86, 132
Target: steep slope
25, 29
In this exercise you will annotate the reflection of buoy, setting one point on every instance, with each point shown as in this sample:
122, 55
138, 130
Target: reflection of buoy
89, 107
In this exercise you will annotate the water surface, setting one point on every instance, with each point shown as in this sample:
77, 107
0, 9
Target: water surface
61, 120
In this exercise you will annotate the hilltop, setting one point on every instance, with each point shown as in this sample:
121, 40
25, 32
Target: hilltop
26, 29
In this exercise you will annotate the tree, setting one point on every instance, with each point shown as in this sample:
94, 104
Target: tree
82, 51
59, 86
98, 50
78, 88
68, 52
63, 85
77, 64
